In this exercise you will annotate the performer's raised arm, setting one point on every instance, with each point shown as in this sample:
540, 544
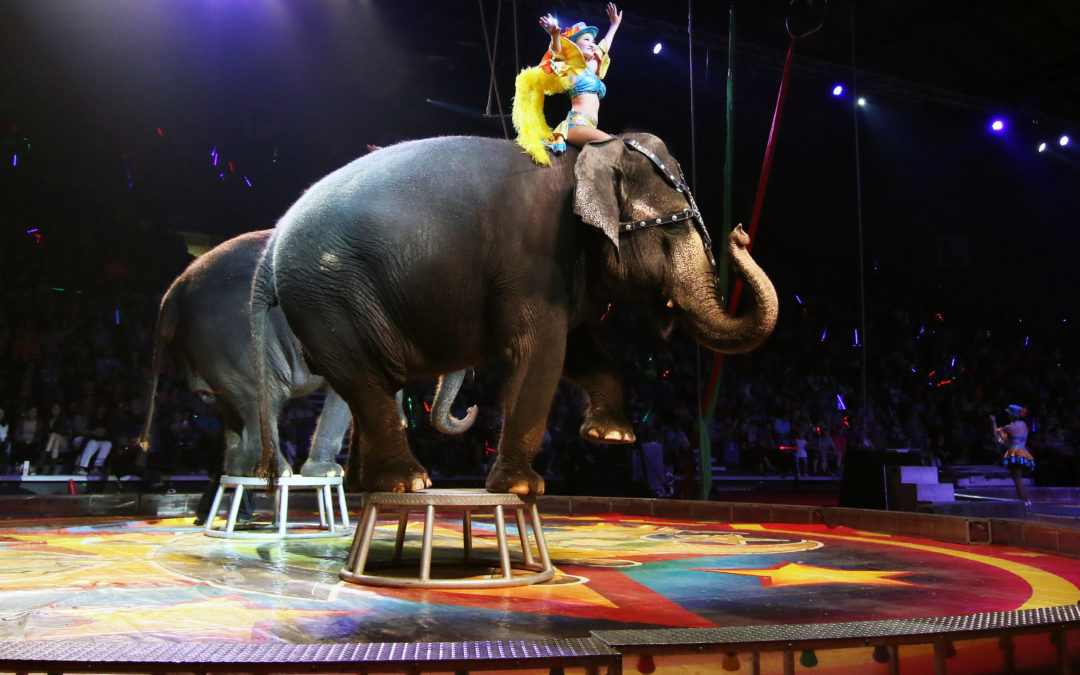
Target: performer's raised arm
551, 27
614, 18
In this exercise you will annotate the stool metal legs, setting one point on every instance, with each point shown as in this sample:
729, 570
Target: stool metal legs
323, 496
209, 524
357, 565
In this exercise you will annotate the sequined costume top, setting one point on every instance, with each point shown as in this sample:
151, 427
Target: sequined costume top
586, 83
1016, 435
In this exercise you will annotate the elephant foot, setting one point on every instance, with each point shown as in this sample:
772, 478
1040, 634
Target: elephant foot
313, 469
601, 426
518, 479
408, 477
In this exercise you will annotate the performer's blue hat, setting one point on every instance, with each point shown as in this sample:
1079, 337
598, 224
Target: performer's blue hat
579, 29
1016, 410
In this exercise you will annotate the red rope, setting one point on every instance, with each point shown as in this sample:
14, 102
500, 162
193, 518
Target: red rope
759, 198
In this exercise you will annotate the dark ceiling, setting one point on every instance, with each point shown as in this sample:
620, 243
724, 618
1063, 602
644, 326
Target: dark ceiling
1020, 54
291, 89
1021, 57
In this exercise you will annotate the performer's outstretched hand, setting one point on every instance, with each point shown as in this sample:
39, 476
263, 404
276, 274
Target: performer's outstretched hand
550, 25
614, 15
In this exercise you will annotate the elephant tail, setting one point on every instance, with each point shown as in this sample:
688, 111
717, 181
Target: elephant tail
164, 332
530, 87
263, 298
445, 393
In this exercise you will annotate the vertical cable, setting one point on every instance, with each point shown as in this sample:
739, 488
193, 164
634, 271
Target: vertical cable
693, 131
729, 151
493, 85
704, 445
517, 63
859, 218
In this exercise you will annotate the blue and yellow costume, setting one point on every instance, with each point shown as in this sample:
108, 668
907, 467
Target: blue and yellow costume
1015, 435
566, 73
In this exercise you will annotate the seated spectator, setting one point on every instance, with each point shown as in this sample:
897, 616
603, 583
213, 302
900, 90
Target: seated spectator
5, 442
826, 457
801, 456
648, 462
98, 443
28, 437
57, 440
840, 447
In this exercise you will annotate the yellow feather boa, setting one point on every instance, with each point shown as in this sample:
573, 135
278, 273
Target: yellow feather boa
531, 85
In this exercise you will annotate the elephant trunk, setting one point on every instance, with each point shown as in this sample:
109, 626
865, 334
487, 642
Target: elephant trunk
709, 322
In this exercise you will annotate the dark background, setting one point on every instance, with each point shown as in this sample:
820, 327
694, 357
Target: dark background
135, 95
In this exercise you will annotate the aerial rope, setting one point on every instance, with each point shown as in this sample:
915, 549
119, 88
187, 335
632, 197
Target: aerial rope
490, 46
705, 447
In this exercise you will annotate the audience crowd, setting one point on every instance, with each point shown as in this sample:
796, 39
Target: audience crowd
80, 282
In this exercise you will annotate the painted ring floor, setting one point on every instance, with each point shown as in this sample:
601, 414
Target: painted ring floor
163, 579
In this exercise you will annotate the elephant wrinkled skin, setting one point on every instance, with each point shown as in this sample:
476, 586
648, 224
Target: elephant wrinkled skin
435, 255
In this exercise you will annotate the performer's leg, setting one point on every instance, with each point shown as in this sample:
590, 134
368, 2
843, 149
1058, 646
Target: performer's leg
1018, 479
580, 134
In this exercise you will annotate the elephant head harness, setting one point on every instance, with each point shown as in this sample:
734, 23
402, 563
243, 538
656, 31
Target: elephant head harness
691, 213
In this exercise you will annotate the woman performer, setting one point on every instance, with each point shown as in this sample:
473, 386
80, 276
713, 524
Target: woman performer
574, 64
1014, 436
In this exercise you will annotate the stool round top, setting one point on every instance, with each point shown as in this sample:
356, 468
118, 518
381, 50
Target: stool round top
290, 481
447, 497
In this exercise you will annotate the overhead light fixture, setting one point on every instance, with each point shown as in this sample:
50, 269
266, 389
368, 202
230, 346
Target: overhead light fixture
657, 48
1042, 147
1063, 141
862, 101
837, 90
997, 125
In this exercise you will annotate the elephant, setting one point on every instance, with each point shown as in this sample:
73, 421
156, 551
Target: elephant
204, 316
438, 254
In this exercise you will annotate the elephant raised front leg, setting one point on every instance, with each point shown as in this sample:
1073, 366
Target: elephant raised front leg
590, 368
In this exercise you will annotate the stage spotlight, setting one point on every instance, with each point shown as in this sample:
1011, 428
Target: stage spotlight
1063, 141
862, 101
998, 125
837, 90
1042, 147
657, 47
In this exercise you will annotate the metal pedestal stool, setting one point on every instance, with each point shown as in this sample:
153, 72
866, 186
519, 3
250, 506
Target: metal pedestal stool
327, 527
359, 570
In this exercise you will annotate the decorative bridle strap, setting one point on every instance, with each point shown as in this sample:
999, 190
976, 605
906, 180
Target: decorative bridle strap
685, 214
691, 213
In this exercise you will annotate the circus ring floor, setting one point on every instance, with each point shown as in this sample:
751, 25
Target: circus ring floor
670, 586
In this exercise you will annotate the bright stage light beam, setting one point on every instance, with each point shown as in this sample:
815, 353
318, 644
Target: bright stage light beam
1042, 147
997, 125
837, 90
1063, 141
657, 48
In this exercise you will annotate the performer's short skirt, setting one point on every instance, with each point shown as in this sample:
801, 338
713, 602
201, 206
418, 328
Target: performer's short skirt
1017, 456
574, 119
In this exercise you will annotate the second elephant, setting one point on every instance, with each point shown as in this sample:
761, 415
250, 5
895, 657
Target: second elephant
204, 318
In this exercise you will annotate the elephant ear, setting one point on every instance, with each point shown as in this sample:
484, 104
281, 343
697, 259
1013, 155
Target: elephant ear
595, 200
